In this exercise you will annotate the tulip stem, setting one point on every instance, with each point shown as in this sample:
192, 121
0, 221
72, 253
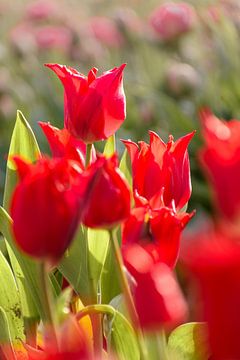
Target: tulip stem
127, 293
88, 155
162, 345
123, 279
49, 318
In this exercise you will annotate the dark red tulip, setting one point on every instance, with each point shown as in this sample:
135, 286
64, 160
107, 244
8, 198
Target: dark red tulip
105, 194
94, 107
45, 207
220, 158
161, 170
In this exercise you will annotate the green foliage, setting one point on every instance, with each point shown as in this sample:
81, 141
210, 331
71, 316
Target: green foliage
10, 302
26, 271
110, 146
189, 342
121, 337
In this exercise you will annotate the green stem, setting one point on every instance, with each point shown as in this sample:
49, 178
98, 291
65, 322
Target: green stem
49, 319
31, 326
162, 345
88, 155
127, 294
123, 280
96, 319
95, 309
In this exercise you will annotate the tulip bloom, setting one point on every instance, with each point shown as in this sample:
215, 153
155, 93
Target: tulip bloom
74, 344
104, 193
221, 159
45, 207
214, 260
160, 168
157, 232
158, 299
94, 107
171, 20
62, 143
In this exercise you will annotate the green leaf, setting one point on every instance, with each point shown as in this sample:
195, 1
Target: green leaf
123, 339
125, 167
62, 304
10, 301
110, 146
110, 286
23, 143
98, 241
5, 337
83, 262
120, 335
74, 265
189, 341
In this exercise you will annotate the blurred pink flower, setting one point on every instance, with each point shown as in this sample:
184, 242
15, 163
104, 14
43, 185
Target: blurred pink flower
171, 20
22, 38
106, 31
41, 10
182, 79
48, 37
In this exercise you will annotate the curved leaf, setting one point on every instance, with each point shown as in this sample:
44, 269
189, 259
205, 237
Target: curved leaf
189, 341
121, 337
10, 301
110, 146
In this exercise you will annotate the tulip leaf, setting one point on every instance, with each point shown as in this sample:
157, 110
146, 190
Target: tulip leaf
121, 338
5, 336
74, 264
110, 286
125, 167
110, 146
10, 301
23, 143
189, 342
98, 241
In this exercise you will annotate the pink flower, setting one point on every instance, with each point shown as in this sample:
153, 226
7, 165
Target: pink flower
106, 31
171, 20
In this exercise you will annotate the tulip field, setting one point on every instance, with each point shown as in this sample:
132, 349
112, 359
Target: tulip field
119, 180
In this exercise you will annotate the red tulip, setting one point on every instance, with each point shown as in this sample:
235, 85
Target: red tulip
171, 20
94, 107
74, 344
161, 169
214, 260
157, 296
221, 160
157, 232
62, 143
104, 194
45, 207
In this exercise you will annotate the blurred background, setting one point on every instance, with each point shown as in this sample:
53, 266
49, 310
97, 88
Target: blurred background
180, 56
